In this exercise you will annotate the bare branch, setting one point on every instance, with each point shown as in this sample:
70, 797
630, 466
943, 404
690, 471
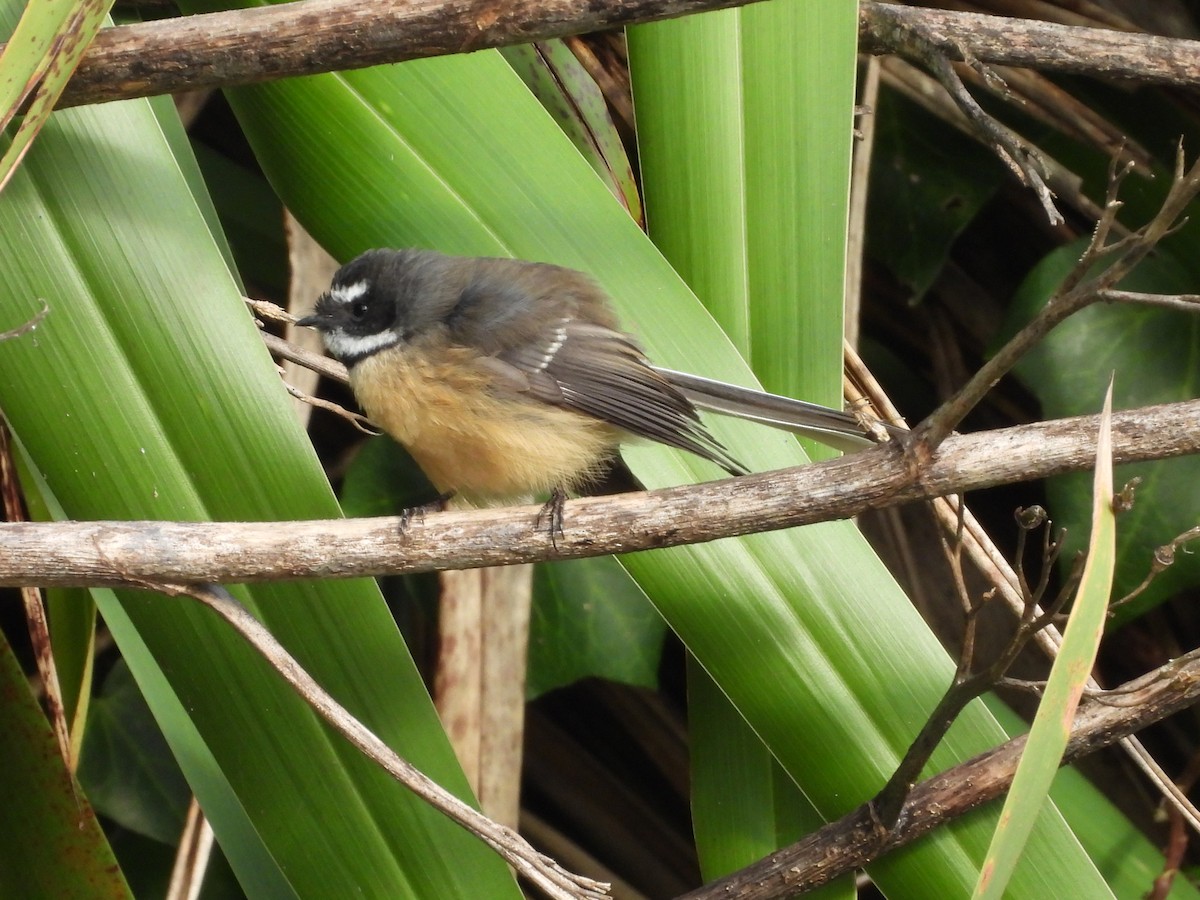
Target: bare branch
1164, 558
311, 36
856, 840
358, 420
515, 850
225, 49
93, 553
1022, 159
969, 682
317, 362
1000, 40
1180, 302
1082, 287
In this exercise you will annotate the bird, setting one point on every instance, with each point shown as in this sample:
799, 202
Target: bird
506, 379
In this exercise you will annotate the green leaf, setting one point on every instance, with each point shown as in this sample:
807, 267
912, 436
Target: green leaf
72, 618
590, 618
563, 86
53, 845
744, 122
250, 215
46, 46
746, 180
382, 480
29, 52
1069, 368
127, 768
1127, 859
744, 806
928, 182
1068, 677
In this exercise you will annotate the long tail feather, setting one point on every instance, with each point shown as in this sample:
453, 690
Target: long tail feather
835, 428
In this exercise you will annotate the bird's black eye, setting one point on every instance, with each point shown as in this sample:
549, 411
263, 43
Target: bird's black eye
358, 310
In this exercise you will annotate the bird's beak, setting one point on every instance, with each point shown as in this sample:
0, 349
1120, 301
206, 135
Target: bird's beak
313, 321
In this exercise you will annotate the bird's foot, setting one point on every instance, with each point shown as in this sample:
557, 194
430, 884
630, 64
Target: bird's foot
551, 516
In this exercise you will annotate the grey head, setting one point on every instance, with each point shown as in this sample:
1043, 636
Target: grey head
380, 299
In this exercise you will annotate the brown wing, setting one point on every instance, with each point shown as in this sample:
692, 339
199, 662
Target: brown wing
603, 373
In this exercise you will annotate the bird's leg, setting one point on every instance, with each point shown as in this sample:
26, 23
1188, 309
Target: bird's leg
437, 504
551, 515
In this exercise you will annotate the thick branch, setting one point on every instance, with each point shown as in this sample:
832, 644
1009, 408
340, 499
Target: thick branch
1098, 52
311, 36
308, 37
92, 553
856, 840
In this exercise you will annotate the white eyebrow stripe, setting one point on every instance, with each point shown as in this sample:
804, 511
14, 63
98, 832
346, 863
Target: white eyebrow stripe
348, 293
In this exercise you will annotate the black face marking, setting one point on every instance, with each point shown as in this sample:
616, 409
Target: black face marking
357, 316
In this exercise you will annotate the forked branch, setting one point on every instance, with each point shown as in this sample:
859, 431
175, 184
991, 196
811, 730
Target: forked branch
1088, 283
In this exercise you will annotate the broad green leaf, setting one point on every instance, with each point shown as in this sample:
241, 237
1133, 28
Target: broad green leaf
564, 87
1128, 860
382, 480
744, 806
29, 52
126, 768
745, 124
743, 208
72, 617
176, 138
928, 182
251, 217
146, 393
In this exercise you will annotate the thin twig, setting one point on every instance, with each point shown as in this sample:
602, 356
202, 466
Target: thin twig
358, 420
967, 684
539, 869
933, 50
35, 611
950, 512
319, 363
1022, 159
1181, 302
1081, 288
1164, 558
